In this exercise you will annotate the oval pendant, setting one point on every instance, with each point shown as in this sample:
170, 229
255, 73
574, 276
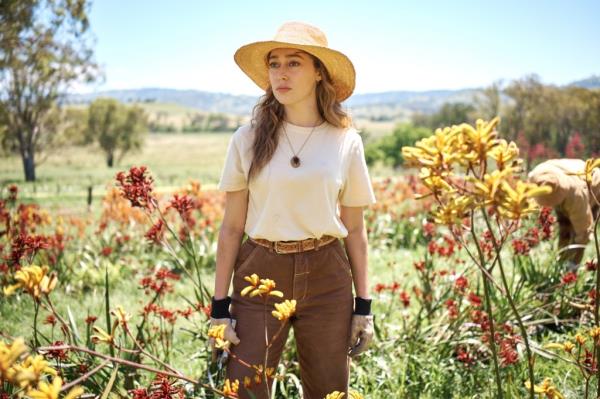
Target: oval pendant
295, 161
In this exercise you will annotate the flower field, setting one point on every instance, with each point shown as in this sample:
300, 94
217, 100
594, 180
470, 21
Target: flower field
469, 295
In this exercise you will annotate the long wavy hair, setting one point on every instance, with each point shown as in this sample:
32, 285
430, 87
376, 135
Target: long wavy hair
268, 116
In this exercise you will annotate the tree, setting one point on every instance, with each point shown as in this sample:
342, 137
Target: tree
389, 148
43, 50
488, 102
449, 114
117, 128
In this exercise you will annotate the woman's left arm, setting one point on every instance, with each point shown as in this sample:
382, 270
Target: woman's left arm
356, 247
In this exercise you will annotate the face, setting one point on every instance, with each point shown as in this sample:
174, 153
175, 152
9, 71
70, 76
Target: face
292, 75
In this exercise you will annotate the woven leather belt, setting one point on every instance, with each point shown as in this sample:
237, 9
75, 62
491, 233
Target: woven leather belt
290, 247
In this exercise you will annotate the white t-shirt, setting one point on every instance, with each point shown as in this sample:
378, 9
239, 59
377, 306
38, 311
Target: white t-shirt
287, 203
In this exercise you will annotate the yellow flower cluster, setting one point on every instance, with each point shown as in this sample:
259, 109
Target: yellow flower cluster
284, 310
121, 318
33, 279
567, 346
29, 373
339, 395
456, 165
260, 371
260, 287
231, 388
218, 333
546, 389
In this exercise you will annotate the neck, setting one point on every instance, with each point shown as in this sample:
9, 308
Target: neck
305, 115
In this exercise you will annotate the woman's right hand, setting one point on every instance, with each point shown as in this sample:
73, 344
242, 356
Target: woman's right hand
229, 335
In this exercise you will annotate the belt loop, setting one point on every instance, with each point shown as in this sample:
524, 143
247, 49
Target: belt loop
272, 246
316, 243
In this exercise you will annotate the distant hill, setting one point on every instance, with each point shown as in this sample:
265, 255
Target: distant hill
200, 100
593, 82
391, 105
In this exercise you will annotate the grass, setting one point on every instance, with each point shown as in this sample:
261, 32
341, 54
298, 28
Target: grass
62, 180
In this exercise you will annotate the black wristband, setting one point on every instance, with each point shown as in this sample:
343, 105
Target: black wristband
362, 306
219, 308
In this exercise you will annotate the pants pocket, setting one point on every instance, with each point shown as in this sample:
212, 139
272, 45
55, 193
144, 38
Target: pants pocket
247, 252
340, 255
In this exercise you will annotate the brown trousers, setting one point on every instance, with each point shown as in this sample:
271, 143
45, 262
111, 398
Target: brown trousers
321, 283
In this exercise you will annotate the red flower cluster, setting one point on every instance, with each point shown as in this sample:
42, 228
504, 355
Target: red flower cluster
50, 320
60, 354
546, 220
156, 232
522, 246
463, 356
168, 315
405, 298
380, 287
461, 284
13, 190
90, 319
590, 362
474, 300
183, 205
433, 247
487, 245
136, 187
161, 388
23, 245
428, 229
568, 278
504, 337
508, 351
452, 308
158, 283
106, 251
591, 265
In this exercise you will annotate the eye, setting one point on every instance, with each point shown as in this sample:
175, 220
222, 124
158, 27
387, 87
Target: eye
273, 64
294, 63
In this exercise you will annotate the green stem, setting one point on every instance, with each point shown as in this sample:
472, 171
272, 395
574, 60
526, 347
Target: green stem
488, 305
497, 248
36, 307
597, 299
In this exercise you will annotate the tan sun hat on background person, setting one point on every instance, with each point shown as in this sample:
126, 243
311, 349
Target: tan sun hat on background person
251, 58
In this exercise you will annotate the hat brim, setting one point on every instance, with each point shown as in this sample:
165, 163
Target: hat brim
251, 59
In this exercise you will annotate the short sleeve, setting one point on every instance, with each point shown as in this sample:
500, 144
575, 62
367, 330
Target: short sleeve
357, 189
233, 177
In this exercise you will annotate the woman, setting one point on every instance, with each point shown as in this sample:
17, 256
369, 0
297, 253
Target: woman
284, 176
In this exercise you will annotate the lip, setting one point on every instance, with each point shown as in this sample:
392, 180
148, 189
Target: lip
283, 89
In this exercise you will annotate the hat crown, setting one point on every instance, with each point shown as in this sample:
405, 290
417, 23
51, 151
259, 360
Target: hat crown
301, 33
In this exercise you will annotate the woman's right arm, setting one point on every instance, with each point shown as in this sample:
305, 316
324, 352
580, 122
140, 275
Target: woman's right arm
231, 233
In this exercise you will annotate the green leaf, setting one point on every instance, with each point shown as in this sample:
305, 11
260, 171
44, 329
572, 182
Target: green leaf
73, 325
111, 382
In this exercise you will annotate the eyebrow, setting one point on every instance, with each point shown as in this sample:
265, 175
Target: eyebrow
296, 54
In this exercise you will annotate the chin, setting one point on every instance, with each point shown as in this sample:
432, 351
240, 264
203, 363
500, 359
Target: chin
285, 101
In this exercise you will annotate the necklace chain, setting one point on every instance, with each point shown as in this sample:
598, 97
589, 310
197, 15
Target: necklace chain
295, 161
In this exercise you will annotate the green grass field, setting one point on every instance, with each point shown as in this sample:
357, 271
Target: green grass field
63, 178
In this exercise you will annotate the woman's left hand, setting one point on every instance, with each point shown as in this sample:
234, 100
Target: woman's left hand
361, 334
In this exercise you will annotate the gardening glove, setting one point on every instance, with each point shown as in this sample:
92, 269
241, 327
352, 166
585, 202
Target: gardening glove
219, 314
361, 329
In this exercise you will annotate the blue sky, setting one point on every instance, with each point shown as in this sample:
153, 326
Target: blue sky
394, 45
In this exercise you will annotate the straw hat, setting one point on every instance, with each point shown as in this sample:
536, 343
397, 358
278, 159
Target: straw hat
251, 57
